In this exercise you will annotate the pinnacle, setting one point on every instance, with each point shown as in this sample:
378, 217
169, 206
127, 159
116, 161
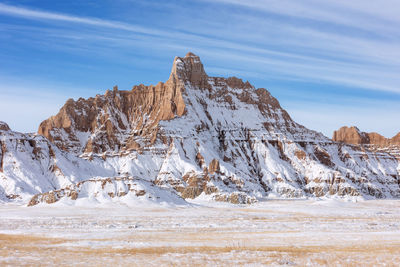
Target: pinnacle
4, 126
189, 69
190, 54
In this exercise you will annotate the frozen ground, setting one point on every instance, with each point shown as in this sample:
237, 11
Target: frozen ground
300, 232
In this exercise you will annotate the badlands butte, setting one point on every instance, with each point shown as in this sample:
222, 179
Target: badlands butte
192, 137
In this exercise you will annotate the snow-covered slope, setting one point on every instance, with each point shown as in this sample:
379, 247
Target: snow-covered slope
127, 190
30, 164
204, 137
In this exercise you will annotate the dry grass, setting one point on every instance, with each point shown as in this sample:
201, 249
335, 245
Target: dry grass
26, 240
17, 249
210, 237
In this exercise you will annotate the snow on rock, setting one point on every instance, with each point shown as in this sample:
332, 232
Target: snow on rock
371, 141
30, 164
204, 137
128, 190
4, 126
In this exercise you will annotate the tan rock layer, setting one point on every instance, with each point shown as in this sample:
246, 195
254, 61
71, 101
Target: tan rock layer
352, 135
145, 106
128, 120
213, 167
73, 191
4, 126
3, 151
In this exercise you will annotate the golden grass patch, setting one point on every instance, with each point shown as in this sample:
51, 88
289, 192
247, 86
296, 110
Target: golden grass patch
47, 251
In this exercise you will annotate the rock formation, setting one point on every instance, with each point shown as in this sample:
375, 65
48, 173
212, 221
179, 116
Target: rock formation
352, 135
371, 141
200, 137
129, 120
4, 126
103, 123
105, 189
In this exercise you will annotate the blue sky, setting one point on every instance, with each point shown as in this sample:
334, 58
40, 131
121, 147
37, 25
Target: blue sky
329, 63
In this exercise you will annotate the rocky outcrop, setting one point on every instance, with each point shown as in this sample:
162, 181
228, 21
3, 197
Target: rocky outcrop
122, 120
213, 167
129, 120
4, 126
31, 164
352, 135
130, 189
3, 150
105, 122
189, 70
372, 141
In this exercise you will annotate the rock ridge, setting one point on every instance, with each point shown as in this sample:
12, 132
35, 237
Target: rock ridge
372, 141
352, 135
4, 126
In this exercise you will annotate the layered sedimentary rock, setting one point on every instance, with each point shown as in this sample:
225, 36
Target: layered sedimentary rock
212, 138
352, 135
104, 123
31, 164
128, 189
371, 141
4, 126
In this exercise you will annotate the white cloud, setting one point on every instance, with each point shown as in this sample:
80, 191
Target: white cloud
352, 43
366, 14
294, 51
37, 14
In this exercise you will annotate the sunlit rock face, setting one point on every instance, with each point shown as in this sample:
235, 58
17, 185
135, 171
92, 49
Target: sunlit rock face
208, 138
371, 141
4, 126
352, 135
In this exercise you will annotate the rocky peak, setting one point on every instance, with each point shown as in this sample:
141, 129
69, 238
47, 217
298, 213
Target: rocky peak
189, 69
396, 138
121, 120
235, 82
352, 135
4, 126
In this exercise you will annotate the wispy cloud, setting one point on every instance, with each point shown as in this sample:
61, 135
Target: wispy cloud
354, 44
43, 15
363, 62
369, 15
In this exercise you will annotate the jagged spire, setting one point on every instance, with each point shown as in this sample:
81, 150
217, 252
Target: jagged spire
4, 126
189, 69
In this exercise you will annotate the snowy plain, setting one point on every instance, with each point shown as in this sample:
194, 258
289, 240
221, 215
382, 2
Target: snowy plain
273, 233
